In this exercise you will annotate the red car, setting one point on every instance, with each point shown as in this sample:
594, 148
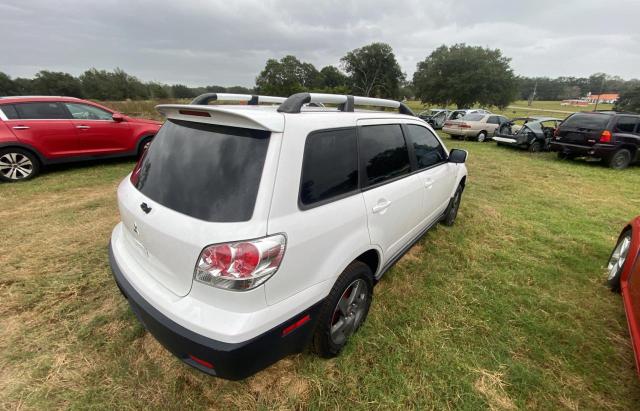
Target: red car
624, 276
38, 131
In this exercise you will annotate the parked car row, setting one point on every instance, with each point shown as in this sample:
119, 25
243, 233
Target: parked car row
607, 135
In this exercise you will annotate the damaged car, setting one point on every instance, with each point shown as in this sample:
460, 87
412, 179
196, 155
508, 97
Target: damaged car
435, 117
530, 133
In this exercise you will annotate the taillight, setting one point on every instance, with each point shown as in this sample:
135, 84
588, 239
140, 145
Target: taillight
135, 174
605, 137
241, 265
465, 125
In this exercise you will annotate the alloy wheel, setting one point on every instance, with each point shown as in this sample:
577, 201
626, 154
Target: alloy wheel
15, 166
349, 312
618, 257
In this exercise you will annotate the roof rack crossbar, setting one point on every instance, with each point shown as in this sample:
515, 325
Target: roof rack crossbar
253, 100
345, 102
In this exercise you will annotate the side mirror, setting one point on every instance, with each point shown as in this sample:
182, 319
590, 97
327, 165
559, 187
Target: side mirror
457, 156
117, 117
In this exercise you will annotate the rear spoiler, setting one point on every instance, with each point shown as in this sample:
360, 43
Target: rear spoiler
255, 119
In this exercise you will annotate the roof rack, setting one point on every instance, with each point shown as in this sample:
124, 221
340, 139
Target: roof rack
345, 103
253, 100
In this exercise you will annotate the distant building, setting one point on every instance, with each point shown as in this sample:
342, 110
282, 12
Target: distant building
602, 98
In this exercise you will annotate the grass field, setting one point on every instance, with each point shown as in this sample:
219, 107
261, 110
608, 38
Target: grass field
505, 310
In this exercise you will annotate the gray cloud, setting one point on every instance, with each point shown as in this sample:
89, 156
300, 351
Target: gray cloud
228, 42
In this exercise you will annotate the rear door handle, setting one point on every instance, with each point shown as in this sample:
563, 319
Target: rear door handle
381, 206
428, 184
82, 126
21, 127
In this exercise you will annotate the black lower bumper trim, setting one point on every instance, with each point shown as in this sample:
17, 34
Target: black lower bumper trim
230, 361
596, 150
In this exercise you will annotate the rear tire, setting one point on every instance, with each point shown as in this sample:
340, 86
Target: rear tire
344, 310
616, 261
452, 209
620, 159
17, 164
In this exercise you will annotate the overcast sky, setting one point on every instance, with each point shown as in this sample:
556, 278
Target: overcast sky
227, 42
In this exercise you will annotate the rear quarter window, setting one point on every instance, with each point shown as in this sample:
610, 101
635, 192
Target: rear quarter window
329, 166
9, 111
590, 121
625, 124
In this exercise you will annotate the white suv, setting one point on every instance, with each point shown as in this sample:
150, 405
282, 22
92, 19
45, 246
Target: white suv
250, 231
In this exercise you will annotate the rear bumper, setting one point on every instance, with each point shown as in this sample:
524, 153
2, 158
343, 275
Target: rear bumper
596, 150
460, 131
232, 361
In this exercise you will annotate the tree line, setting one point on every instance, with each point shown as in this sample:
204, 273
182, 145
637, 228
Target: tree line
103, 85
459, 74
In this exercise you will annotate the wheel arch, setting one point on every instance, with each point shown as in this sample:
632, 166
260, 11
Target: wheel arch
371, 258
25, 147
141, 139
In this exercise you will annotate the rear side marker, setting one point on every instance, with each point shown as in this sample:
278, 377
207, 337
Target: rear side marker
201, 361
289, 329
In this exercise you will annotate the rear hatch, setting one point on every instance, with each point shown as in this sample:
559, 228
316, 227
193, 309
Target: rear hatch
583, 128
198, 184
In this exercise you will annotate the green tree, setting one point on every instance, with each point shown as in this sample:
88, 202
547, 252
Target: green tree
287, 76
629, 100
332, 77
465, 75
56, 83
182, 91
7, 86
238, 90
374, 71
97, 84
157, 90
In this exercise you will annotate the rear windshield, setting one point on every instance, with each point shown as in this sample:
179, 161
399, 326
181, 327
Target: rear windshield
205, 171
584, 120
473, 117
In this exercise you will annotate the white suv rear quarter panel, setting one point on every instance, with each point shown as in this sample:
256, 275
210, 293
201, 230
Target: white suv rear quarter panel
323, 240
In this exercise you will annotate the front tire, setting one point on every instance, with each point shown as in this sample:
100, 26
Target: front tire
17, 164
620, 159
617, 260
344, 310
481, 137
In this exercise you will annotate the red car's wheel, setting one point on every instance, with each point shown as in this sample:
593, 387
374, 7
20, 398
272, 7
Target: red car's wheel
617, 260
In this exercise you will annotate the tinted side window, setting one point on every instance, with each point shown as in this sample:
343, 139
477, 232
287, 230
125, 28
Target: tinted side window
384, 152
426, 146
44, 110
10, 111
625, 124
329, 166
493, 120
